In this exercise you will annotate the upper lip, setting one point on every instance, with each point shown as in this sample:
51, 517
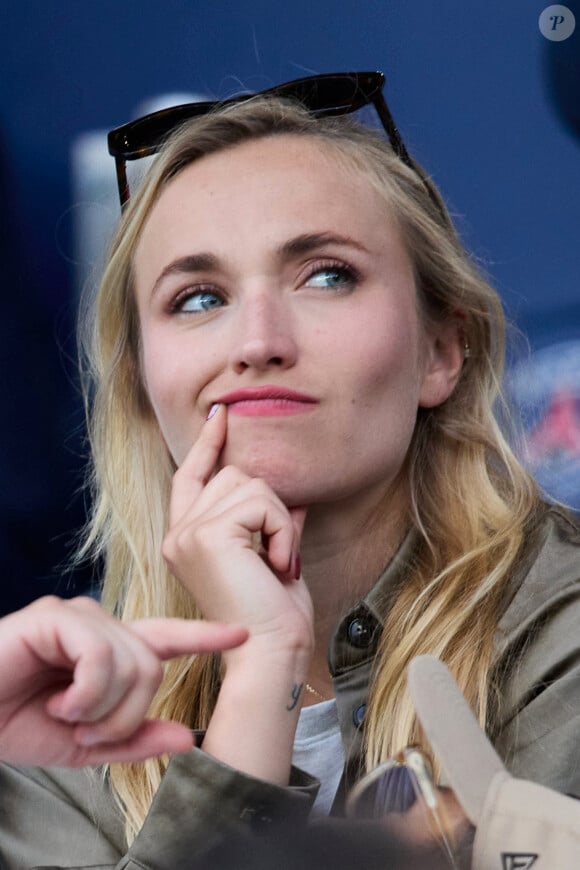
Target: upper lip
249, 394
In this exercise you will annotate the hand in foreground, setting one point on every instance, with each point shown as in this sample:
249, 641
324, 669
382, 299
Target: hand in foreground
75, 683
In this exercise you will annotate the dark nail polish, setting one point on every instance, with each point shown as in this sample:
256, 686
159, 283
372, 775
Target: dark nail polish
297, 567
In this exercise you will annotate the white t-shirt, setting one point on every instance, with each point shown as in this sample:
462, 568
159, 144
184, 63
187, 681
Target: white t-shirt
318, 751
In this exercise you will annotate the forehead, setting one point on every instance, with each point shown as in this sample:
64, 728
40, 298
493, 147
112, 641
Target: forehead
276, 187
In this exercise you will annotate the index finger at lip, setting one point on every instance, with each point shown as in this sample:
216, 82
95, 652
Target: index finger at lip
298, 515
199, 465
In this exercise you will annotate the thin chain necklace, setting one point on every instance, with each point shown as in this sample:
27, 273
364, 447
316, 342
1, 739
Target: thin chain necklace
314, 692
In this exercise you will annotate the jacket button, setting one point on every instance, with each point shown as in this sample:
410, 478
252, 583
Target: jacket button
359, 715
256, 818
360, 633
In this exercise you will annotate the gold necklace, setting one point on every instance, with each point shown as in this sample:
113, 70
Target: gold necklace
315, 692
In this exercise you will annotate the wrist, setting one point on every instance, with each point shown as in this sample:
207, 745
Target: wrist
259, 661
254, 721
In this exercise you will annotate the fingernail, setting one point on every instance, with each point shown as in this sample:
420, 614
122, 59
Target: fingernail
89, 739
72, 716
213, 410
297, 566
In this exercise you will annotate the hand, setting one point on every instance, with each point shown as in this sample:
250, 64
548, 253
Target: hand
75, 683
234, 545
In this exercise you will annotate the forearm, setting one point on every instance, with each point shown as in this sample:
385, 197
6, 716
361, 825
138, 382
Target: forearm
254, 723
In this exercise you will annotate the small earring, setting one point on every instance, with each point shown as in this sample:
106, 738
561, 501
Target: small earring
466, 349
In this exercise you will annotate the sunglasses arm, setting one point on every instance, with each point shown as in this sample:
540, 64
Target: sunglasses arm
122, 185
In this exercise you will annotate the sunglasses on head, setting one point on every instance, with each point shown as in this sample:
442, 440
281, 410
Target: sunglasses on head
323, 95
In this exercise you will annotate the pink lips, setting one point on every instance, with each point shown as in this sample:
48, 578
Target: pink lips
267, 401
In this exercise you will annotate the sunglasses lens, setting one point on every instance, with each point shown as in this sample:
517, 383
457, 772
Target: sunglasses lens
391, 792
333, 95
403, 798
143, 137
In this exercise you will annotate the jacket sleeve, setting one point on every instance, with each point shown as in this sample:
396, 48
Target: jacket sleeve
539, 731
56, 818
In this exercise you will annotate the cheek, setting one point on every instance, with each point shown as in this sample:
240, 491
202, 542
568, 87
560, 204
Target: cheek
158, 375
172, 393
384, 361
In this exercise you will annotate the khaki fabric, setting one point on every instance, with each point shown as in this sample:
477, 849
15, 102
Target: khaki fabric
60, 818
519, 824
67, 819
526, 825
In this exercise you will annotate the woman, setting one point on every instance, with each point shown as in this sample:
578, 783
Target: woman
296, 364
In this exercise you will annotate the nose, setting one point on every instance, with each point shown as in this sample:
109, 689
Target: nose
264, 335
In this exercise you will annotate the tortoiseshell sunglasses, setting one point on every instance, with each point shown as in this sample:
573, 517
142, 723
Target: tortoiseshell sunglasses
323, 95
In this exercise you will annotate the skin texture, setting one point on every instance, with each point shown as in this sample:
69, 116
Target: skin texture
268, 265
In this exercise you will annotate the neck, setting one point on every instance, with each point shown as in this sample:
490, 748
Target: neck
343, 553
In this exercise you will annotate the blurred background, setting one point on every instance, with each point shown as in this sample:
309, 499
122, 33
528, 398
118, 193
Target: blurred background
486, 95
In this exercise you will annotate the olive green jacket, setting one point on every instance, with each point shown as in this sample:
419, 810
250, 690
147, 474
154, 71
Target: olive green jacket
55, 818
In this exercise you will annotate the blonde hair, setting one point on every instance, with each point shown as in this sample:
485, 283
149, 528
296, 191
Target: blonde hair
471, 501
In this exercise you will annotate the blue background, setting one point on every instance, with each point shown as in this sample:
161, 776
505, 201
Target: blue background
489, 105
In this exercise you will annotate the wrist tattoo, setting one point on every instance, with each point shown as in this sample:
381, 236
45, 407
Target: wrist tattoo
295, 695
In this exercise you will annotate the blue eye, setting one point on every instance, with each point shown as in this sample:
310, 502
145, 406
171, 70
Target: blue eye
331, 277
200, 300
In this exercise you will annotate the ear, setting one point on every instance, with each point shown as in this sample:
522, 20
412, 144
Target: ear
444, 358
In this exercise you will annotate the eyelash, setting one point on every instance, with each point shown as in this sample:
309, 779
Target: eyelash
351, 275
347, 272
176, 304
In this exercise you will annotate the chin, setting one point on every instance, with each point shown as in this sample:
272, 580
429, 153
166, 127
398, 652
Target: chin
280, 475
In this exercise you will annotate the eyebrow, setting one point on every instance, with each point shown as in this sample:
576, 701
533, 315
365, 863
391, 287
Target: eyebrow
186, 266
296, 247
308, 242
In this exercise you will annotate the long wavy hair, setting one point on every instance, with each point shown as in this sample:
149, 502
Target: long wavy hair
471, 501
